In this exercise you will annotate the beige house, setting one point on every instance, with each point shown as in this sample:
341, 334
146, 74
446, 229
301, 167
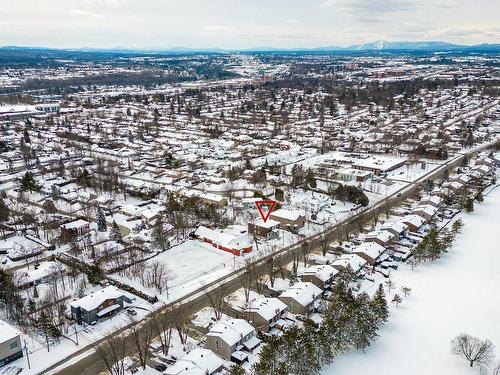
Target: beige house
264, 313
229, 338
320, 275
300, 297
292, 220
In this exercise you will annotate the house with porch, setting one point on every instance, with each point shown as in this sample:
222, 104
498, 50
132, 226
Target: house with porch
320, 275
98, 305
300, 297
264, 313
229, 339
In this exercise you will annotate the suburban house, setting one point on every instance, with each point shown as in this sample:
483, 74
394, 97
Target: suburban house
291, 220
352, 261
38, 274
397, 228
370, 251
381, 237
263, 229
320, 275
198, 361
413, 222
300, 297
427, 211
101, 304
431, 200
75, 228
264, 313
235, 243
227, 339
10, 344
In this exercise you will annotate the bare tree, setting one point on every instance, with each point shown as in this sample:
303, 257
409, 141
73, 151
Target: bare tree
164, 324
182, 320
246, 277
271, 270
325, 238
113, 352
406, 291
216, 298
305, 248
158, 276
473, 349
142, 336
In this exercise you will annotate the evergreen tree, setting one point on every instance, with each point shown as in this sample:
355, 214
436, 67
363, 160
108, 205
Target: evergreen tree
479, 197
270, 360
168, 160
469, 205
379, 305
160, 238
236, 370
115, 233
49, 206
101, 220
457, 226
26, 136
364, 326
310, 179
28, 182
4, 215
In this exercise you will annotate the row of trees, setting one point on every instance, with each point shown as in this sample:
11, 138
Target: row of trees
349, 321
349, 193
434, 244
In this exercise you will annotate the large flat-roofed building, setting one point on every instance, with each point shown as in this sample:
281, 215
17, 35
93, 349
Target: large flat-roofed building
48, 107
378, 164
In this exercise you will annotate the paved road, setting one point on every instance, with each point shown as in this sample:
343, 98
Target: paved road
92, 364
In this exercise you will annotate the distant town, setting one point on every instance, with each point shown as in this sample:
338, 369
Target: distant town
232, 213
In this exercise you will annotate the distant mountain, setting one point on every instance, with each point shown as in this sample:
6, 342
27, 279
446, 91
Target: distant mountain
381, 45
414, 46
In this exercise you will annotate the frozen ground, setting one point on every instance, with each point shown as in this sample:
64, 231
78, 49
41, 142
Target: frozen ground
458, 293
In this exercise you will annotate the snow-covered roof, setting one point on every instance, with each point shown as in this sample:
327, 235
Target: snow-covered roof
231, 331
352, 260
396, 226
266, 307
292, 215
434, 199
303, 293
199, 361
372, 249
427, 209
7, 332
75, 224
224, 238
381, 235
414, 220
323, 272
268, 224
94, 300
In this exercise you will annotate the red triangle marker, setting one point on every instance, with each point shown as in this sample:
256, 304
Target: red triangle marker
260, 204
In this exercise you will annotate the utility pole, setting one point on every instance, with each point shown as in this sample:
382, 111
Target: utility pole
27, 354
76, 334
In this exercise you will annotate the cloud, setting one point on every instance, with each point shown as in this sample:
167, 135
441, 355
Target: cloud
371, 6
213, 28
86, 13
292, 21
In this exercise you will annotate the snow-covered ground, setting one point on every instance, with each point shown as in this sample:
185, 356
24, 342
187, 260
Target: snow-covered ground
457, 293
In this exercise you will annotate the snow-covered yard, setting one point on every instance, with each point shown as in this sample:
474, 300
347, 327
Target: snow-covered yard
457, 293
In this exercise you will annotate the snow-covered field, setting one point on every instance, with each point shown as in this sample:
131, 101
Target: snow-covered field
457, 293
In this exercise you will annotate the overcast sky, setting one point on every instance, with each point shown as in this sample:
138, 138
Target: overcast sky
244, 23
